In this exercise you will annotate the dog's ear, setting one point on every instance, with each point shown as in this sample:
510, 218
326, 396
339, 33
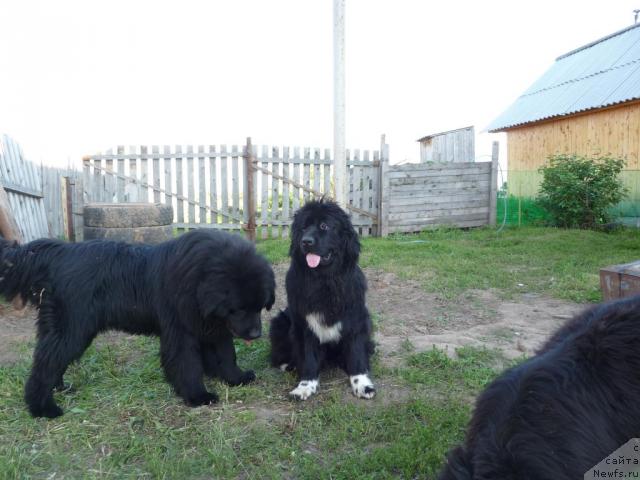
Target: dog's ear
212, 300
296, 232
351, 241
271, 300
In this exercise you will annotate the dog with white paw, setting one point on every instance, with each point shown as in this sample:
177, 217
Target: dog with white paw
326, 322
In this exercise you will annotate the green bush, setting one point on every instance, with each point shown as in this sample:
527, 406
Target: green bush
578, 191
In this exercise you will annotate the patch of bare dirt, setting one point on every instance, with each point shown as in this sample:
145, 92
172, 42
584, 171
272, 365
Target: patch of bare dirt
420, 321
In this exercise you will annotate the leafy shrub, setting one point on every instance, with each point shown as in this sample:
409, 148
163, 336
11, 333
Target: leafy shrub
578, 191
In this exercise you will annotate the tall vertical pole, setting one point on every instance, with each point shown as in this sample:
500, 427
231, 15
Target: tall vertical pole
339, 149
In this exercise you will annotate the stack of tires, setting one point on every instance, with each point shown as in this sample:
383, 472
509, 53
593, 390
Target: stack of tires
128, 222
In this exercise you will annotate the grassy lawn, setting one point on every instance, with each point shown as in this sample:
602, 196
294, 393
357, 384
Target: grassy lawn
122, 420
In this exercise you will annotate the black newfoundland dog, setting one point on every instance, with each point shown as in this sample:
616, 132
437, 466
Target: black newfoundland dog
196, 292
326, 321
563, 411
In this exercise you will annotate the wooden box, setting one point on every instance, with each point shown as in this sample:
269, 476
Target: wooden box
619, 281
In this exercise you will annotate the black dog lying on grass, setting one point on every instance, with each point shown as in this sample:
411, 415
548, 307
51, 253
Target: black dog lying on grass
196, 292
562, 412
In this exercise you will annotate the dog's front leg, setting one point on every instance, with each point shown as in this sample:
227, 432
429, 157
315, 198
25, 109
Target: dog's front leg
221, 354
309, 355
356, 357
182, 363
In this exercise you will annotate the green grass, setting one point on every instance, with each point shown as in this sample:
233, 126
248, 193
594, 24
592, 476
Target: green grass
123, 421
561, 263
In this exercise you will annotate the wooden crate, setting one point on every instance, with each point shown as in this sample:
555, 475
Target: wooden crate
617, 281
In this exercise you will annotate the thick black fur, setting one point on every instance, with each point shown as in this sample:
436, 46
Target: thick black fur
564, 410
196, 292
336, 289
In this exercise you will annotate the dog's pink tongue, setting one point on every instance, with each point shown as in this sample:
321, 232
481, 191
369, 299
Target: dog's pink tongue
313, 260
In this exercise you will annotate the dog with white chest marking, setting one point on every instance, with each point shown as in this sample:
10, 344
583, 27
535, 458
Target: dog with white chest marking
326, 322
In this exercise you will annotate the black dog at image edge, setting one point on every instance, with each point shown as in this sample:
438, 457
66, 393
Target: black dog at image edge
563, 411
196, 292
326, 321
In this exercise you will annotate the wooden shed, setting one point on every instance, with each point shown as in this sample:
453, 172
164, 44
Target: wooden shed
586, 103
450, 146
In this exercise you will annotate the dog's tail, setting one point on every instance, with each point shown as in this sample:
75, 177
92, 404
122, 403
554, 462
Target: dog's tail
279, 334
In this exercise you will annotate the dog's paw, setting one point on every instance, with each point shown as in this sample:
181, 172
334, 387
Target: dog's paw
64, 388
304, 390
204, 398
247, 377
48, 411
362, 386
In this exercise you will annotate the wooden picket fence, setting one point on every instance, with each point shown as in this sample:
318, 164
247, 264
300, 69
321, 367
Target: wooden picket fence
241, 188
21, 181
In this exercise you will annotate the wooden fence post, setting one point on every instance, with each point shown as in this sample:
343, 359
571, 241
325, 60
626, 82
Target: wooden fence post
67, 208
383, 190
493, 186
249, 191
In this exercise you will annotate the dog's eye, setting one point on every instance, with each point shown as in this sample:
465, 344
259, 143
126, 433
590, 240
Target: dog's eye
324, 226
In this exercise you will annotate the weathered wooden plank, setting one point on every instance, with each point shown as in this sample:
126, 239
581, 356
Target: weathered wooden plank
296, 177
437, 172
235, 180
109, 179
179, 185
97, 187
420, 227
78, 204
120, 183
132, 189
264, 195
213, 184
286, 200
168, 181
326, 174
191, 189
436, 213
384, 190
224, 182
418, 209
202, 186
143, 195
441, 219
440, 180
249, 190
477, 197
275, 193
493, 193
316, 169
305, 173
155, 152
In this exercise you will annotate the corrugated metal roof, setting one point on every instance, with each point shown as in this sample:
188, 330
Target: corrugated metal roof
602, 73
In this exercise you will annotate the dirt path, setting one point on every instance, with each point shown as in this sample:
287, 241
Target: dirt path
405, 312
402, 312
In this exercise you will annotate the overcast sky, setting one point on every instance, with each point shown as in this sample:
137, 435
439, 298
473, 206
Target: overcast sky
80, 76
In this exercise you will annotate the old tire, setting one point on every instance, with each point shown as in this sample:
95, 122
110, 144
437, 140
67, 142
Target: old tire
153, 234
127, 215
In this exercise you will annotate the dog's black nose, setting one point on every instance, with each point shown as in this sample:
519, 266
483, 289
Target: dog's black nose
308, 241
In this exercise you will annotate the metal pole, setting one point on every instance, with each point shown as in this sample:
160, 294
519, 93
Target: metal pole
339, 149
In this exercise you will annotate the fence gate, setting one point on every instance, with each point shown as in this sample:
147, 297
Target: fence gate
210, 187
